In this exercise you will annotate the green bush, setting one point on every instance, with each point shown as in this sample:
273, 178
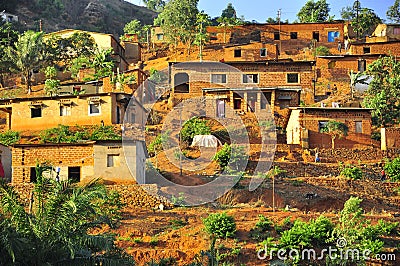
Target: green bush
192, 127
304, 234
157, 144
220, 225
230, 154
351, 172
9, 137
262, 228
322, 51
392, 169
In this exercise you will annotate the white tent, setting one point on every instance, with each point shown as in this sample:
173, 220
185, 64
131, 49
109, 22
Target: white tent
205, 141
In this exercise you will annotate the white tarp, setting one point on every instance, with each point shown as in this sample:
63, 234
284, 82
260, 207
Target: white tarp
206, 141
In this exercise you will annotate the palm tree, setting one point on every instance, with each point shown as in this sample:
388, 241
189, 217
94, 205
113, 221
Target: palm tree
55, 230
26, 55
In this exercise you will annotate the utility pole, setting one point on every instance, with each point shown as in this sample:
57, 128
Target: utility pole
279, 21
40, 25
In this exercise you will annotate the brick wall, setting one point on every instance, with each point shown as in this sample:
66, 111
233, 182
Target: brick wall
390, 138
392, 48
310, 120
25, 157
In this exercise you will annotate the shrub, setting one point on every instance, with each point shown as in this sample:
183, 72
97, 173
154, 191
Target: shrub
260, 231
351, 172
9, 137
192, 127
233, 155
157, 144
392, 169
220, 225
322, 51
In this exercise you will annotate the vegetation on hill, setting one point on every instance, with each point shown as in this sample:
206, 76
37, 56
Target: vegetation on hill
108, 16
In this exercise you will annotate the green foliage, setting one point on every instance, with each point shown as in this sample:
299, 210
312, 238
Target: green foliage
322, 51
103, 63
153, 241
366, 21
202, 21
262, 227
56, 229
383, 94
233, 155
26, 55
303, 234
393, 12
220, 225
351, 172
336, 129
50, 72
179, 200
133, 27
157, 144
155, 5
229, 12
77, 64
49, 8
314, 12
9, 137
192, 127
110, 206
392, 169
178, 20
63, 134
51, 86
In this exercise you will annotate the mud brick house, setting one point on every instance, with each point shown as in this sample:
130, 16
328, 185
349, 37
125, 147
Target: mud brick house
288, 36
38, 113
81, 161
198, 79
337, 67
377, 48
305, 124
385, 33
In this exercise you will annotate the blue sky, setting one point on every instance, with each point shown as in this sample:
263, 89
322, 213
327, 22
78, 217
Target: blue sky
260, 10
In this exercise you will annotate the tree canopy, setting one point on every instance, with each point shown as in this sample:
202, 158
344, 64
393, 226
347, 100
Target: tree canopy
155, 5
383, 94
229, 12
178, 21
314, 12
365, 22
393, 12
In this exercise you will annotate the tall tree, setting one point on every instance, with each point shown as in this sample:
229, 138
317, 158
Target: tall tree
393, 13
203, 20
383, 94
229, 12
314, 12
336, 130
26, 55
178, 21
363, 20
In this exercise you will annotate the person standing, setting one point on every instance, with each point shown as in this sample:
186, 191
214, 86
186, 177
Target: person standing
339, 46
